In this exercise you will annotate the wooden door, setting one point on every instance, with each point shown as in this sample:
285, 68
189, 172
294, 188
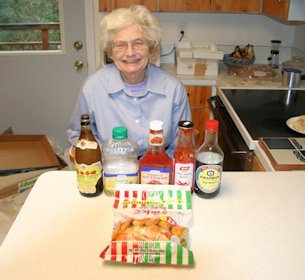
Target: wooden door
184, 5
276, 8
238, 6
198, 98
109, 5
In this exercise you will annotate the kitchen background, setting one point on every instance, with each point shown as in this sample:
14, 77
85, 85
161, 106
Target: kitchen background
228, 30
48, 111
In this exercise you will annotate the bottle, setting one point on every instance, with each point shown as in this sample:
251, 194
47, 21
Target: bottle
156, 167
120, 160
88, 164
184, 156
209, 163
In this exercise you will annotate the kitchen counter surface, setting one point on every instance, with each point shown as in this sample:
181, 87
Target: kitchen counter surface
254, 229
224, 80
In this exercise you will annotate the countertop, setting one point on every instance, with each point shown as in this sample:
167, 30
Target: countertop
253, 229
224, 80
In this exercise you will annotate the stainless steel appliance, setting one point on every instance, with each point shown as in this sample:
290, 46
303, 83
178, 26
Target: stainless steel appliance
247, 114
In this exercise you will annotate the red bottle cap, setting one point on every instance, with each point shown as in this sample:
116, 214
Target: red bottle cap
212, 125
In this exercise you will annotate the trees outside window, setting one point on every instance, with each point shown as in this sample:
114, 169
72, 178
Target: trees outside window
29, 25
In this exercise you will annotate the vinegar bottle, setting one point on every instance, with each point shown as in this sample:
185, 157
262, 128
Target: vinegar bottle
156, 167
120, 160
209, 163
88, 161
184, 156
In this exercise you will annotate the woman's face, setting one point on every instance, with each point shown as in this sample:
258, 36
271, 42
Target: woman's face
130, 53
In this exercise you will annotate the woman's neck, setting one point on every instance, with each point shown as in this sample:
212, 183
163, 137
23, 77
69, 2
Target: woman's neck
134, 79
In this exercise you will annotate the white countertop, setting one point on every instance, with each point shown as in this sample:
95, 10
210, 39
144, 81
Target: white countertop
224, 80
254, 229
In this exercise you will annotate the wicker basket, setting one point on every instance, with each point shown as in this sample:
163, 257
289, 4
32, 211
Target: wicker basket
233, 61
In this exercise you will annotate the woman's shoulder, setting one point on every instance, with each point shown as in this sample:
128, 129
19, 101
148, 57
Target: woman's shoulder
106, 77
163, 78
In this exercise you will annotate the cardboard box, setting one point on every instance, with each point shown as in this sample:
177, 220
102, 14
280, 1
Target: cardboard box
20, 182
22, 159
197, 58
21, 153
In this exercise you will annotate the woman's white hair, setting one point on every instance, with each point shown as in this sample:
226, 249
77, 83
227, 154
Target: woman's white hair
134, 15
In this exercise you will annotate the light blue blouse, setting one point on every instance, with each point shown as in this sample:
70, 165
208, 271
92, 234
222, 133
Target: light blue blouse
109, 103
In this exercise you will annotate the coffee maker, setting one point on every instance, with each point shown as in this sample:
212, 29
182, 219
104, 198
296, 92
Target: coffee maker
273, 60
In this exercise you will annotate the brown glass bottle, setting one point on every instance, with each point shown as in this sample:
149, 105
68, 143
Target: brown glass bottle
88, 161
156, 167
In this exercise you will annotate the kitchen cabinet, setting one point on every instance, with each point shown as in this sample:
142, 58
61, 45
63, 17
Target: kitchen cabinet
256, 164
109, 5
198, 99
184, 5
238, 6
284, 9
230, 6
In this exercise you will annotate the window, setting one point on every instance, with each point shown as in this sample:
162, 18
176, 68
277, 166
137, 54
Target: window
29, 25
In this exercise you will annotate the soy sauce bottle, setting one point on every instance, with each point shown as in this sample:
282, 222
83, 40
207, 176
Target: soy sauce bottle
88, 164
209, 163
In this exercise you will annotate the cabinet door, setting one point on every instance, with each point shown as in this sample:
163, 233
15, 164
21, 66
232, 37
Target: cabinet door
276, 8
109, 5
239, 6
256, 164
184, 5
198, 98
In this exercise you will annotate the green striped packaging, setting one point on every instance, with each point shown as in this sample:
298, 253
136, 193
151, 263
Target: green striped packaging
151, 201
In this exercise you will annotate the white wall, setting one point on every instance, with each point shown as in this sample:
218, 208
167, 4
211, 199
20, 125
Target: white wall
228, 30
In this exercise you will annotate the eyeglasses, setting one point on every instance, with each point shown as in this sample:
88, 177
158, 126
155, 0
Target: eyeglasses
121, 46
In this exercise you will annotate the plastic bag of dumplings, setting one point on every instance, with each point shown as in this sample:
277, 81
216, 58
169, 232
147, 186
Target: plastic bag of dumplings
150, 225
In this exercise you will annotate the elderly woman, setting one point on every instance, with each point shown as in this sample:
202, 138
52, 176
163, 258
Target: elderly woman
132, 91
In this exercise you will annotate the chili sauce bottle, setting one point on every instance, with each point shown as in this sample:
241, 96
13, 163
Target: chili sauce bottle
209, 163
184, 156
156, 167
88, 164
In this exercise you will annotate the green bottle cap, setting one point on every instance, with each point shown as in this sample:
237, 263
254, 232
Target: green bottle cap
119, 133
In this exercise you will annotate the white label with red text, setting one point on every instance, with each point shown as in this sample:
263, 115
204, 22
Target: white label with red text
184, 174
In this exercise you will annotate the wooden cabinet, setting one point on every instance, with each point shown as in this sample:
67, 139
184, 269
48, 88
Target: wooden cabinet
109, 5
284, 9
276, 8
198, 98
230, 6
239, 6
184, 5
236, 6
256, 164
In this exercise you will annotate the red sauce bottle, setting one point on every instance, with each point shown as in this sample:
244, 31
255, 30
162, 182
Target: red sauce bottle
184, 156
156, 167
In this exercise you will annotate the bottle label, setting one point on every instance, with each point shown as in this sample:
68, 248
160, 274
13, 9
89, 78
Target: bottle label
85, 144
208, 178
156, 139
88, 176
155, 176
184, 174
110, 180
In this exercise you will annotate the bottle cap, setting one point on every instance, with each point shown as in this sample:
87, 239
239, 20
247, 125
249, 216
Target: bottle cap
119, 132
185, 124
85, 119
156, 125
212, 125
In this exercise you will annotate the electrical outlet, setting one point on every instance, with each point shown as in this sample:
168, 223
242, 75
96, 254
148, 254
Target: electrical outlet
181, 28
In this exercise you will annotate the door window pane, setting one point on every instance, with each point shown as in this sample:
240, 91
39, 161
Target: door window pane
29, 25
